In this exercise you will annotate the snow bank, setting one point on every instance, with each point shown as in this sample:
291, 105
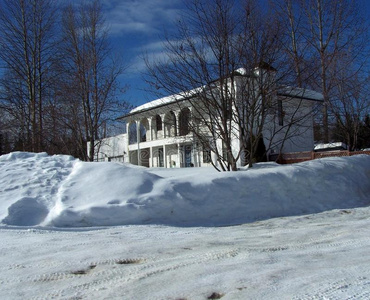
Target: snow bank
29, 184
37, 189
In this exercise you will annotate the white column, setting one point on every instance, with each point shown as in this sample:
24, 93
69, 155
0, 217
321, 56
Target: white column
194, 154
151, 157
178, 161
138, 142
164, 130
149, 131
127, 143
165, 156
177, 127
199, 157
161, 135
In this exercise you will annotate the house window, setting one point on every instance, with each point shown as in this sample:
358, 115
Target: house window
280, 112
228, 109
228, 114
207, 156
225, 152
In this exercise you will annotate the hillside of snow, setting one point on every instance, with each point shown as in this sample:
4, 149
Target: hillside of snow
45, 254
60, 191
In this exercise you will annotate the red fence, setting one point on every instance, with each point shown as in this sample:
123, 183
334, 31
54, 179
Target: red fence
296, 157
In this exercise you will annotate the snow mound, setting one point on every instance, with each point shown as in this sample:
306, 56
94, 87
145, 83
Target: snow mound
29, 184
37, 189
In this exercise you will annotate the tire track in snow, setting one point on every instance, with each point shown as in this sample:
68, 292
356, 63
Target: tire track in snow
109, 273
337, 290
271, 247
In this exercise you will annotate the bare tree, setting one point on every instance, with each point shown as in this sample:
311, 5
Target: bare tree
350, 105
90, 73
260, 48
292, 19
26, 50
15, 111
324, 34
221, 61
201, 53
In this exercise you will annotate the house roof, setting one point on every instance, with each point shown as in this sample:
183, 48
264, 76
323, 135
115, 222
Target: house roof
157, 103
302, 93
285, 91
163, 102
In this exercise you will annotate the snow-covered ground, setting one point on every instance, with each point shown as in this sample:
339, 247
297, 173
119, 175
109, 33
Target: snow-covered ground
37, 189
56, 242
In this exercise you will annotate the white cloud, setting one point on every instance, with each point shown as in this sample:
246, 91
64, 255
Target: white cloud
117, 27
153, 51
144, 16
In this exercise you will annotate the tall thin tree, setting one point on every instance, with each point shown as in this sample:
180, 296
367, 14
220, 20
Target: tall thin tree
91, 73
27, 50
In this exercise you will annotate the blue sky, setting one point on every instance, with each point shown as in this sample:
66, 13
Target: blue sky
137, 27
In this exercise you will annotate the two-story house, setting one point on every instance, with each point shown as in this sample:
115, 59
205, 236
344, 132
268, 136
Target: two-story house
160, 133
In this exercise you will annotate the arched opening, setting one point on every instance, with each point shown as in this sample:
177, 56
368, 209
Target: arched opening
184, 121
144, 126
156, 123
170, 124
132, 133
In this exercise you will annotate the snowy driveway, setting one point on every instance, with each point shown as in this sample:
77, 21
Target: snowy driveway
323, 256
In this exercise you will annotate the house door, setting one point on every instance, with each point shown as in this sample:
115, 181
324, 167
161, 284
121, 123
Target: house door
160, 157
188, 156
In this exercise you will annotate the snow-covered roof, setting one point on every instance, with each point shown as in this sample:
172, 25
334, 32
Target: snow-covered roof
300, 93
283, 91
328, 146
157, 102
165, 101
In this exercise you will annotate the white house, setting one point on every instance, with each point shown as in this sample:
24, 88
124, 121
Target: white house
158, 135
111, 149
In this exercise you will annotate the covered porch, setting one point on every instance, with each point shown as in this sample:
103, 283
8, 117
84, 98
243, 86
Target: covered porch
166, 155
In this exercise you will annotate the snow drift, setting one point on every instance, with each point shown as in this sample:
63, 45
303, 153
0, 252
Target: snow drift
37, 189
